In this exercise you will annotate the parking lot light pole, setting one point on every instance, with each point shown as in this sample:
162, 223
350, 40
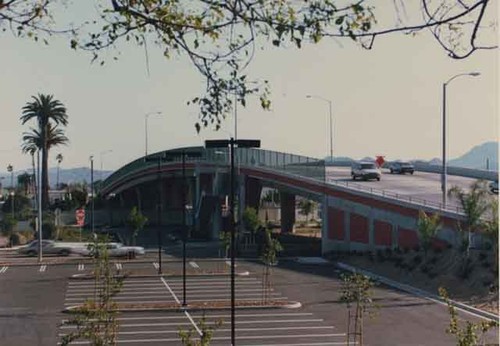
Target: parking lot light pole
92, 194
240, 143
40, 214
444, 170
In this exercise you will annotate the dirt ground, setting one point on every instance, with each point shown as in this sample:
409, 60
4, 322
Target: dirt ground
475, 283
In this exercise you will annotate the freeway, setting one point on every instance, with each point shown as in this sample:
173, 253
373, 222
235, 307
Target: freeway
420, 185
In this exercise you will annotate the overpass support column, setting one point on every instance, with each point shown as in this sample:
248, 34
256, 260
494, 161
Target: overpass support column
324, 224
253, 190
287, 212
139, 199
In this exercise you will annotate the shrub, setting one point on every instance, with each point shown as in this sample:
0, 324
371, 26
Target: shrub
425, 268
17, 238
482, 256
417, 259
388, 252
437, 250
465, 268
431, 274
398, 251
433, 260
416, 248
406, 250
485, 264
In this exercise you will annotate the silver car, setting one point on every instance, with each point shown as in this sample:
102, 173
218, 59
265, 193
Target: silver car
49, 247
365, 170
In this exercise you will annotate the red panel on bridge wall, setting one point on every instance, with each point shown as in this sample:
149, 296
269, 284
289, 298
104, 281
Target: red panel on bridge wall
407, 238
383, 233
359, 228
335, 224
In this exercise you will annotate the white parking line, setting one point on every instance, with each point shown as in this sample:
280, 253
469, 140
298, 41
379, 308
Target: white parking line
156, 265
43, 268
118, 266
81, 267
178, 339
3, 269
191, 300
229, 264
143, 296
191, 294
194, 265
171, 292
193, 323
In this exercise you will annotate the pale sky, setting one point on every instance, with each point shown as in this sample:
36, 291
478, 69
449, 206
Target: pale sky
386, 101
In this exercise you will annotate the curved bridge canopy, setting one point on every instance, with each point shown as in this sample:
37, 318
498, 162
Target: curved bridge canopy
141, 170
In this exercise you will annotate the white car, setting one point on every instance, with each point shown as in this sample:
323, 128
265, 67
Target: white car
365, 170
118, 250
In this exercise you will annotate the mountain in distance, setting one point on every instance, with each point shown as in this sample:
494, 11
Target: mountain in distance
67, 176
479, 157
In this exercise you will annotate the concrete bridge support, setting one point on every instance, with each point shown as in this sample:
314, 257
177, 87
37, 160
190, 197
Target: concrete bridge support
287, 212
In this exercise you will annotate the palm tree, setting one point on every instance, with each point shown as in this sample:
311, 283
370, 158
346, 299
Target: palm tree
49, 113
475, 203
59, 159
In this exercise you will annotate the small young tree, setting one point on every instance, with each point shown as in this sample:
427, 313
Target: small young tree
306, 207
474, 203
357, 293
269, 256
136, 221
95, 320
490, 229
472, 334
428, 226
206, 333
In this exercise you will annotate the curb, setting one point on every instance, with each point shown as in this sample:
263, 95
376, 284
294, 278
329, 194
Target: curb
180, 308
90, 277
421, 293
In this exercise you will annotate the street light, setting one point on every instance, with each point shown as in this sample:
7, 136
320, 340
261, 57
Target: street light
444, 171
331, 120
92, 194
146, 116
224, 143
10, 169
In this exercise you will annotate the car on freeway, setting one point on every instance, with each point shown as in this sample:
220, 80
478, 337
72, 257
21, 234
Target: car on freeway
401, 167
49, 247
494, 186
116, 250
365, 170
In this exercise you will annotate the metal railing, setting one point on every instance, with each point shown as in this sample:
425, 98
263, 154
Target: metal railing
296, 165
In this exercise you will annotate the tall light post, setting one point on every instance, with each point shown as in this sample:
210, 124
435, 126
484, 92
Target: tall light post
92, 193
10, 169
444, 170
331, 120
224, 143
146, 116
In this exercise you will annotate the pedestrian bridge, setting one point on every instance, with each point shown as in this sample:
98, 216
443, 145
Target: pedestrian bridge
353, 217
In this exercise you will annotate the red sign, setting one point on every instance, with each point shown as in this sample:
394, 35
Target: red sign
380, 161
80, 216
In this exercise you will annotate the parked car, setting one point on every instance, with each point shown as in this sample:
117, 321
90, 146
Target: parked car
49, 247
401, 167
365, 170
117, 250
494, 186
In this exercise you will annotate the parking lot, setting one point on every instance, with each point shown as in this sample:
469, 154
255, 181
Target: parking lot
32, 299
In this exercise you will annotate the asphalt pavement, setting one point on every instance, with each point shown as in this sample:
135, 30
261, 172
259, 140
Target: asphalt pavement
32, 298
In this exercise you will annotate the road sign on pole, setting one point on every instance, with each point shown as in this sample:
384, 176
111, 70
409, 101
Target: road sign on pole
80, 217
